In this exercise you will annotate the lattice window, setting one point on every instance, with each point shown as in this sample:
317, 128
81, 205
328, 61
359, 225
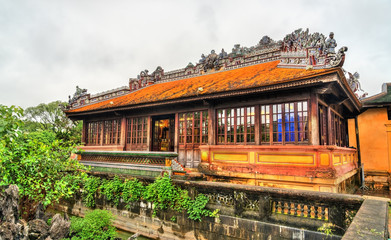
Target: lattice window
236, 125
93, 133
265, 123
289, 123
111, 132
136, 131
338, 130
323, 127
193, 128
181, 128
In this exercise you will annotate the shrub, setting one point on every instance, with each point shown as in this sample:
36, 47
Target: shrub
95, 225
91, 185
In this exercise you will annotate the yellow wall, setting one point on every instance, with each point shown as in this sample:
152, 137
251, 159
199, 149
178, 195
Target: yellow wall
375, 141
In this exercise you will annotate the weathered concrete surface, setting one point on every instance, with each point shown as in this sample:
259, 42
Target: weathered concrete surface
370, 222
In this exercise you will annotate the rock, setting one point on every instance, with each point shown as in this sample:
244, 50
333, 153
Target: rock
60, 227
38, 229
40, 212
8, 231
9, 204
22, 230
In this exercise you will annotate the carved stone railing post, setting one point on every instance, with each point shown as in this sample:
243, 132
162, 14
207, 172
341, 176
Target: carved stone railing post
337, 216
265, 207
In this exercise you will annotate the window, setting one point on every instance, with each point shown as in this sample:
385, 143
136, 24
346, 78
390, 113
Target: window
111, 132
193, 127
93, 133
323, 128
136, 131
236, 125
284, 123
338, 130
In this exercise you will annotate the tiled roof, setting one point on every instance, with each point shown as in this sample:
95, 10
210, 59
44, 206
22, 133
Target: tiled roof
260, 75
382, 98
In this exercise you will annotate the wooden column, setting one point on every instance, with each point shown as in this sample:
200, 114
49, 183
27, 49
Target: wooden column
314, 119
212, 125
176, 132
83, 133
257, 127
122, 140
149, 133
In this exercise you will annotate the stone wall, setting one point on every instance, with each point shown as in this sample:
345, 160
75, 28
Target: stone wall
246, 212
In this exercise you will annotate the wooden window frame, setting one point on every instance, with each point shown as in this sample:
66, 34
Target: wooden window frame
136, 132
111, 132
188, 125
93, 133
338, 129
278, 111
227, 122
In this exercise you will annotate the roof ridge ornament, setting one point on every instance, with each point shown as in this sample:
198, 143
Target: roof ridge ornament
355, 84
301, 49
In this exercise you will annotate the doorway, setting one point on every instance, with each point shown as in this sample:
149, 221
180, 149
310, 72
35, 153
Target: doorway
163, 132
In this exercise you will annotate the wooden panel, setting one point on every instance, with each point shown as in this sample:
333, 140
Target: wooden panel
286, 159
324, 159
231, 157
337, 159
189, 158
196, 157
345, 159
181, 156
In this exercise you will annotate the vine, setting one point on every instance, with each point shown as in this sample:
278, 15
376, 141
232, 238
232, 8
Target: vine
162, 193
112, 189
91, 185
132, 190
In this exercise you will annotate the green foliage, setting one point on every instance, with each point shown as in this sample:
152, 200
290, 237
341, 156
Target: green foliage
50, 117
162, 193
165, 195
91, 185
327, 228
112, 189
132, 190
196, 209
97, 225
38, 163
10, 122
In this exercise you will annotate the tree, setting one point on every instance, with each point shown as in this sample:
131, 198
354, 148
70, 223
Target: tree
37, 162
50, 117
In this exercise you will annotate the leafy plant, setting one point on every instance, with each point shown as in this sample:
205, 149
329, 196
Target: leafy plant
162, 193
132, 190
91, 185
112, 189
97, 225
327, 228
165, 195
197, 210
38, 163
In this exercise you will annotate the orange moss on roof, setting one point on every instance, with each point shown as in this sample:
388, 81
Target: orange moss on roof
237, 79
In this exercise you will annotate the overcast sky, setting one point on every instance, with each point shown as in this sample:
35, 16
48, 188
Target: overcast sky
49, 47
